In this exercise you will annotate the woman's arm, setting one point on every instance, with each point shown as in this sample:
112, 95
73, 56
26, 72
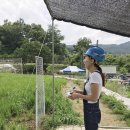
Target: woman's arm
77, 91
92, 97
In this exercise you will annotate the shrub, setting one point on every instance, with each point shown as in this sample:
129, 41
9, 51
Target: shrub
29, 68
57, 67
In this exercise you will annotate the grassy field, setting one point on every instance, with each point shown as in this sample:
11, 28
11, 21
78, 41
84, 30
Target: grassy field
119, 88
17, 99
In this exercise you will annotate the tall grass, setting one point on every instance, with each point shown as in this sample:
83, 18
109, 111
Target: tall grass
63, 111
119, 88
117, 107
17, 96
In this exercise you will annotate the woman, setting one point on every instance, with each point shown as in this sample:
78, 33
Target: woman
92, 88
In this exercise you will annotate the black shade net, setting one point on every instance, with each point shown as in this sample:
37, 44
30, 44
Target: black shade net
108, 15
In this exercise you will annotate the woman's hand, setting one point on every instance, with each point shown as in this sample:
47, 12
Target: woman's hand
74, 95
75, 91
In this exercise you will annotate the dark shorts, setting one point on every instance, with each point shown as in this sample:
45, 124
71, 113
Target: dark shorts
91, 126
92, 117
91, 120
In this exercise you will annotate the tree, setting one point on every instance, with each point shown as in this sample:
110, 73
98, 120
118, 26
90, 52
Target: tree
82, 45
29, 50
60, 48
123, 70
19, 37
10, 36
110, 59
36, 33
127, 66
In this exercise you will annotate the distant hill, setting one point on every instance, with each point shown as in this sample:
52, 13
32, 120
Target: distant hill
123, 48
70, 47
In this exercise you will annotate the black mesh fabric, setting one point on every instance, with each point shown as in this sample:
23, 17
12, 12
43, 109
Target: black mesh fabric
107, 15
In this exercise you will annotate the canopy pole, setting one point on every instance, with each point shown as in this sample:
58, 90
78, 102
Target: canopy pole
53, 89
97, 43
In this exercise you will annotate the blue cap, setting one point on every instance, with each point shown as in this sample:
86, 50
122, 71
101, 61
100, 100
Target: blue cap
96, 53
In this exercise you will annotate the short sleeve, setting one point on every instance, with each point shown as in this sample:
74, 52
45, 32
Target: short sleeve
94, 78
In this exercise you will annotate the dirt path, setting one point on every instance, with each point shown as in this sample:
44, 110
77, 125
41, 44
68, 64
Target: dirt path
108, 118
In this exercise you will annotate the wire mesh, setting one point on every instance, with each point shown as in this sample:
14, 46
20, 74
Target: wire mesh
40, 93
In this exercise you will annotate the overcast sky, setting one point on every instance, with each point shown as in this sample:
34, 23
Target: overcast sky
35, 11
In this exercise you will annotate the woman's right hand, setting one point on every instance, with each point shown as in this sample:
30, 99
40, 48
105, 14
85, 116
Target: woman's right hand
75, 91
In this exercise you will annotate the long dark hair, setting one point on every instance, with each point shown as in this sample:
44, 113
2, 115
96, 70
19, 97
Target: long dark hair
100, 70
101, 73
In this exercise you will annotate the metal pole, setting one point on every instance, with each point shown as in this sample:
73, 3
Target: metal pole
53, 91
97, 42
22, 65
36, 99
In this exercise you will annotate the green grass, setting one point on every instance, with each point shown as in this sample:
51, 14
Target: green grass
17, 97
117, 107
119, 88
64, 113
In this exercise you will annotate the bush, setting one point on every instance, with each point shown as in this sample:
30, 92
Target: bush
57, 67
29, 68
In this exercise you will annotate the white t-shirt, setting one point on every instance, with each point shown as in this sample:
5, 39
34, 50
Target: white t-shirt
94, 77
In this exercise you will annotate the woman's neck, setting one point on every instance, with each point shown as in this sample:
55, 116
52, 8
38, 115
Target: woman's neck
92, 69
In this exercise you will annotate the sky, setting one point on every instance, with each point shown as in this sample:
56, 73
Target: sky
35, 11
